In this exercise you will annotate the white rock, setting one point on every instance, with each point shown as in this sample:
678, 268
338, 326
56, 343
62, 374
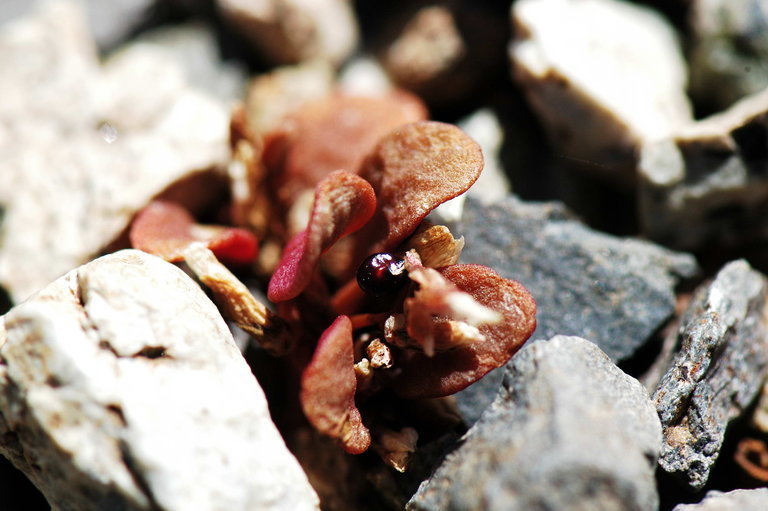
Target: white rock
84, 147
603, 75
121, 388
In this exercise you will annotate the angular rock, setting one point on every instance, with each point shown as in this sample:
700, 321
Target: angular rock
736, 500
719, 368
292, 31
707, 183
603, 75
84, 147
568, 430
729, 49
121, 388
614, 291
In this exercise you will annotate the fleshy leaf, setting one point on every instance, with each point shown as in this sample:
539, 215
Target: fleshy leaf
335, 132
414, 169
448, 372
343, 203
166, 229
328, 387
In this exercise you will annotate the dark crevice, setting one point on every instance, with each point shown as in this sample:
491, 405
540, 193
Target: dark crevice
138, 476
117, 411
152, 352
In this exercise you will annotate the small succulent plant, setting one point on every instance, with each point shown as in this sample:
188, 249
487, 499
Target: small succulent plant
369, 297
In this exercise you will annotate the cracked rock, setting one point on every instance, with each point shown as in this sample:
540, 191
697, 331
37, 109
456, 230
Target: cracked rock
603, 75
85, 146
720, 366
736, 500
121, 388
707, 183
568, 430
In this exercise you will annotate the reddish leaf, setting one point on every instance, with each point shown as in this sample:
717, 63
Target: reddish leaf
334, 133
344, 202
328, 387
166, 229
448, 372
414, 169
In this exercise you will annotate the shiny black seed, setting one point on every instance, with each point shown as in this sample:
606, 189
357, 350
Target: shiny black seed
382, 274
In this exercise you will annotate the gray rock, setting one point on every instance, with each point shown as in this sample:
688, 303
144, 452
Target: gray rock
707, 183
604, 76
729, 48
121, 388
616, 292
568, 430
736, 500
85, 146
719, 369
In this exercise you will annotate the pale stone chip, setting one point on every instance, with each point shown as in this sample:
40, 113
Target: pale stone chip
237, 302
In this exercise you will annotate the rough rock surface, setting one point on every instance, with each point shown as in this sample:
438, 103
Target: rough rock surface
603, 75
707, 183
121, 388
292, 31
736, 500
568, 430
729, 49
84, 146
718, 371
613, 291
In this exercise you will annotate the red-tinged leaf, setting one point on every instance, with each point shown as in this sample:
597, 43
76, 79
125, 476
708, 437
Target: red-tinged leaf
336, 132
328, 387
448, 372
414, 169
166, 229
343, 203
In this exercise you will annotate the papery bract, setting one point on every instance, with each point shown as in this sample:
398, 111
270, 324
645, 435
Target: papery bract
343, 203
448, 372
328, 387
166, 229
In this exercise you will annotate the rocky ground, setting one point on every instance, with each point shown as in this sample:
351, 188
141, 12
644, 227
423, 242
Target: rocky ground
625, 185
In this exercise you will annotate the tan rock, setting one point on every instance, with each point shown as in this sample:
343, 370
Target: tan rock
121, 388
292, 31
